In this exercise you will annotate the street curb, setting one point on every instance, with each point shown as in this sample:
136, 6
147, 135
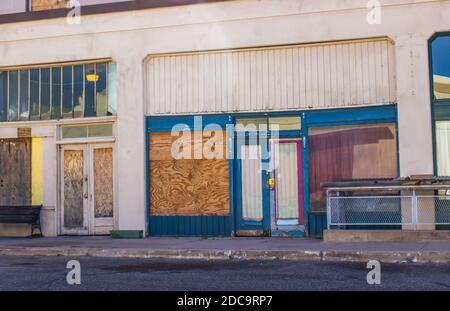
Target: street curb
288, 255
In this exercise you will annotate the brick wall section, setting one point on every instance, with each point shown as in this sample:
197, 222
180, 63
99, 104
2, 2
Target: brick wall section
40, 5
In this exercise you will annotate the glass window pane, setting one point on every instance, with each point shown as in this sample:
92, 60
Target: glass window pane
45, 93
112, 89
100, 130
90, 79
441, 67
343, 153
252, 208
251, 125
3, 95
74, 132
24, 109
56, 92
443, 148
13, 103
78, 91
34, 94
102, 105
67, 92
285, 123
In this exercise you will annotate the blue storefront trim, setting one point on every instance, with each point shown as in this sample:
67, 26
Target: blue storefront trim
204, 225
201, 226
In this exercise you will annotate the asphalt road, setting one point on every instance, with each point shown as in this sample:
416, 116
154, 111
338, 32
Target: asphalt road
49, 273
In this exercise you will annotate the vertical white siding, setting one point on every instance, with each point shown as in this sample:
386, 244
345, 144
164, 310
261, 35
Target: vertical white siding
338, 74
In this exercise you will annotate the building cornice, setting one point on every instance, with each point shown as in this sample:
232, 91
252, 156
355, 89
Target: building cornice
99, 9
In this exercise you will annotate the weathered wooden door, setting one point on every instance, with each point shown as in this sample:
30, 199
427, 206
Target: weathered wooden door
87, 189
15, 171
101, 188
74, 190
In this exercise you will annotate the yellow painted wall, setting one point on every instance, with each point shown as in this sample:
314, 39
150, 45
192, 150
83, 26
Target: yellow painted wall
37, 179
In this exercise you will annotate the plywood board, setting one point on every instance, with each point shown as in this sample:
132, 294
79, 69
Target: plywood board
161, 145
73, 188
40, 5
189, 187
15, 171
103, 182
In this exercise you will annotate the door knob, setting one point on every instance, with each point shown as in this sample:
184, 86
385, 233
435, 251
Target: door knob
86, 196
271, 183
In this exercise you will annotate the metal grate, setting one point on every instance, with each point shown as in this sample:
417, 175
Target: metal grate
388, 211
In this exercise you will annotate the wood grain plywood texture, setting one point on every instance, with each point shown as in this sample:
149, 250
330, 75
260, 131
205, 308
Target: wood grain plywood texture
162, 144
186, 187
103, 182
40, 5
73, 188
15, 171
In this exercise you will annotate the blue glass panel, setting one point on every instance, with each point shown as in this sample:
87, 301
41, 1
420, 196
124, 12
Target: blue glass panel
112, 89
78, 91
34, 94
45, 93
13, 103
67, 92
56, 92
24, 109
102, 104
441, 67
3, 95
90, 90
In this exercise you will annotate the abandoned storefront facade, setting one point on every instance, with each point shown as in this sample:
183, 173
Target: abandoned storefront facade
264, 101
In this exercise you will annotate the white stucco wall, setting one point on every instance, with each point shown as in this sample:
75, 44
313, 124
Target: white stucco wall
131, 36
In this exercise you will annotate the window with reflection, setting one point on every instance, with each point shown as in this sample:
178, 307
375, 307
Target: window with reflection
440, 55
344, 153
440, 75
58, 92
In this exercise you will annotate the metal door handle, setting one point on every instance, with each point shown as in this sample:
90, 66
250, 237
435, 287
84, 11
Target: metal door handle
86, 196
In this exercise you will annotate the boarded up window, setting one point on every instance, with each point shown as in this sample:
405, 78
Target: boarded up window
15, 171
349, 153
187, 187
39, 5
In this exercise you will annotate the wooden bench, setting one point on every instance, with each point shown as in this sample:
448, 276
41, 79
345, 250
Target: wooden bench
22, 215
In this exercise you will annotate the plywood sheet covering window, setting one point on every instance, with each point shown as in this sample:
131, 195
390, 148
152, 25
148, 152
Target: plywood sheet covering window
349, 153
187, 187
40, 5
103, 182
73, 188
15, 171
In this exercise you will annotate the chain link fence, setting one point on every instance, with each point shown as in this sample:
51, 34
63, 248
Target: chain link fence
384, 212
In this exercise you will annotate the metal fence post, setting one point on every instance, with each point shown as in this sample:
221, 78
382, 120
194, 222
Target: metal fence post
328, 210
414, 210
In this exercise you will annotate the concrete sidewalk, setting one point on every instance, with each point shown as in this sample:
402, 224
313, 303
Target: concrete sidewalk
232, 248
